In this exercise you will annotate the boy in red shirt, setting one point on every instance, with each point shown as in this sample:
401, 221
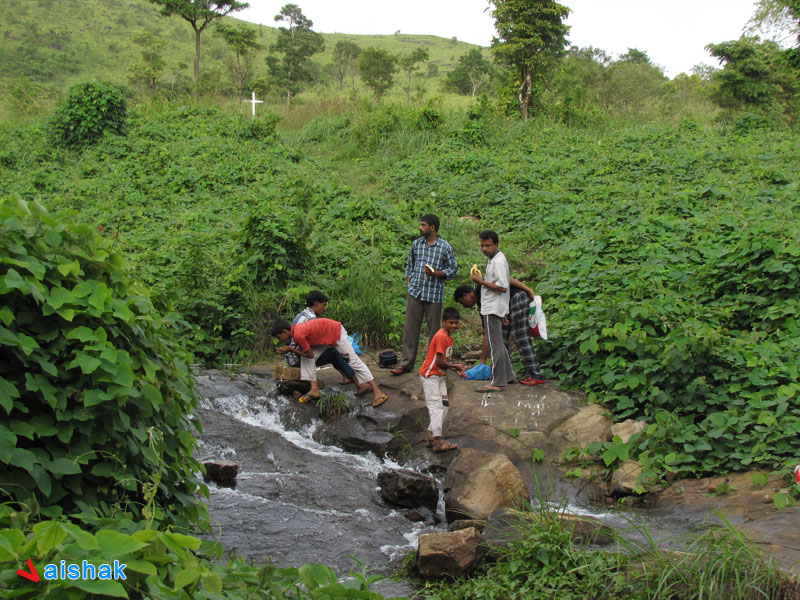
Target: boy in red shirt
432, 375
313, 338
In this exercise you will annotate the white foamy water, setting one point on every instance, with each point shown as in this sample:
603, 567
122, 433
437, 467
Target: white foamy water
262, 412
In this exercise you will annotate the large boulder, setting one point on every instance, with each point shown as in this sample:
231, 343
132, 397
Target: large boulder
359, 434
478, 483
590, 424
449, 554
625, 479
626, 429
408, 489
221, 471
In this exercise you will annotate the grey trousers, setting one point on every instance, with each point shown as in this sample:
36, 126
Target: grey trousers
415, 309
502, 371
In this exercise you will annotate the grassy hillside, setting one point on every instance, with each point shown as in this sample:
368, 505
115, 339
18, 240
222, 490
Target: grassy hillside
666, 253
57, 43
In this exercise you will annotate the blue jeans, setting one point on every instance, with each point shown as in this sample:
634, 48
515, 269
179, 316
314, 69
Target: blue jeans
334, 357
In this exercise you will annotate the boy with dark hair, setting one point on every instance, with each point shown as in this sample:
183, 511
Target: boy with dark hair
316, 305
494, 308
432, 375
431, 261
518, 327
313, 338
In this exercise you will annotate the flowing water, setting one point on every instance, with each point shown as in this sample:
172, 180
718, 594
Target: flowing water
297, 500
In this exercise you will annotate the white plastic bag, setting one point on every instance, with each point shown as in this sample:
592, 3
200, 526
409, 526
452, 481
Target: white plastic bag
536, 319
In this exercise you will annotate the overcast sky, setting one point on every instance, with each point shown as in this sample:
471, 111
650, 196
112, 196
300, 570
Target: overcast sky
674, 33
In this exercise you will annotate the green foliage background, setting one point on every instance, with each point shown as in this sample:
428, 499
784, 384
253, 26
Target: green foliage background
96, 395
667, 254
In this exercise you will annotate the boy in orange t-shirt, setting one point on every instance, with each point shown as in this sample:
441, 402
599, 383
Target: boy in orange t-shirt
432, 375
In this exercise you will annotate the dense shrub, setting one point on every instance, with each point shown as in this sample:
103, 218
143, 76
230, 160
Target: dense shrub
96, 396
90, 110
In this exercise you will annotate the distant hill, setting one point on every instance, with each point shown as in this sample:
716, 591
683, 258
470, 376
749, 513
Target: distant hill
57, 43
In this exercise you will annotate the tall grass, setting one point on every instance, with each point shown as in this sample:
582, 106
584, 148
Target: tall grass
544, 561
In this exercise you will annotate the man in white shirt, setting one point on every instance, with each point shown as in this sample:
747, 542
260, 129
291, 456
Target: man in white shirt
494, 307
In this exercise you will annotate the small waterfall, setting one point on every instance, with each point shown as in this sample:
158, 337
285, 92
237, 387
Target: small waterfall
295, 500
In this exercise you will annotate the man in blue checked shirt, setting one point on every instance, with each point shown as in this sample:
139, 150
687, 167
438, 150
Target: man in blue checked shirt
430, 263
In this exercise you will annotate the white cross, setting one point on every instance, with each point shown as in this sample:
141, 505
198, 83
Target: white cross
253, 103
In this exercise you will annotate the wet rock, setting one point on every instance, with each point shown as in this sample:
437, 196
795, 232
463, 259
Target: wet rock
450, 554
221, 471
214, 383
465, 523
626, 429
408, 489
358, 434
419, 515
590, 425
625, 479
479, 482
587, 529
285, 372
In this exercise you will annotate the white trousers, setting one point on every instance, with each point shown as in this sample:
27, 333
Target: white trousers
435, 390
308, 366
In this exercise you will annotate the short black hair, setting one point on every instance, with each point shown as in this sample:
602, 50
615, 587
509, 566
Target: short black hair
431, 220
462, 291
450, 313
279, 326
488, 234
315, 296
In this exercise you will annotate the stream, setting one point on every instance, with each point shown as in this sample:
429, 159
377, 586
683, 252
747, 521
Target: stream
297, 500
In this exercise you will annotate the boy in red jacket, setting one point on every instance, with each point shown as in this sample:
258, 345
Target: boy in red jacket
432, 375
313, 338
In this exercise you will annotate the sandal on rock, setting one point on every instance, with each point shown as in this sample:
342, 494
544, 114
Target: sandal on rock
307, 397
345, 381
444, 446
380, 400
362, 391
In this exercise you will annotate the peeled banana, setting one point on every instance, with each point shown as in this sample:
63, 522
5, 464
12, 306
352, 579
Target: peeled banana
475, 270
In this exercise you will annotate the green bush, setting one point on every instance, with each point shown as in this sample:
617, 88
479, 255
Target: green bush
97, 400
158, 564
90, 110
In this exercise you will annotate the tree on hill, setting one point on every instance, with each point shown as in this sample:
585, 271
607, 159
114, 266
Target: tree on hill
531, 35
781, 17
636, 57
152, 65
199, 14
297, 43
408, 64
470, 73
242, 41
377, 68
632, 82
345, 61
755, 73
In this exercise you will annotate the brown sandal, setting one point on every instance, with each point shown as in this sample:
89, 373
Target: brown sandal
444, 446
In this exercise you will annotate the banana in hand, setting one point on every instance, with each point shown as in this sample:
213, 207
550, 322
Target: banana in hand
475, 270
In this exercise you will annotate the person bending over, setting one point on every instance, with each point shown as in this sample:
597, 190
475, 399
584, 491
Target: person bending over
313, 338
